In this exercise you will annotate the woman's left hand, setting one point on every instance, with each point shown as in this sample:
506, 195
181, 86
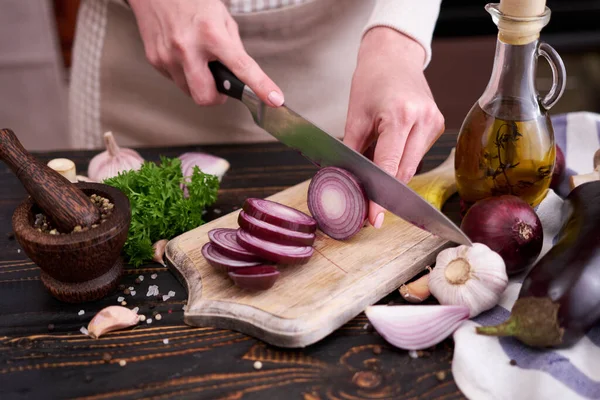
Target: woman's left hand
391, 103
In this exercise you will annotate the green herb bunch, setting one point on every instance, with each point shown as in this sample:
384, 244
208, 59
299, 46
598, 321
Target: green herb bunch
159, 209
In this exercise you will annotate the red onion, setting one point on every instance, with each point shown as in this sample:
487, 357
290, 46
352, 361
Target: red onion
280, 215
255, 278
559, 169
207, 163
274, 233
338, 201
416, 327
508, 226
226, 241
278, 253
221, 261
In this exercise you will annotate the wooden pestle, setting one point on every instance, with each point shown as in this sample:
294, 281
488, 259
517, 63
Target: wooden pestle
65, 205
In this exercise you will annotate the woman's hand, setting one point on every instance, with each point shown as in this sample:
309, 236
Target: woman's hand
391, 103
182, 36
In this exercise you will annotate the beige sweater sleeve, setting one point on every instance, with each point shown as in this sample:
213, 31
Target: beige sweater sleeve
414, 18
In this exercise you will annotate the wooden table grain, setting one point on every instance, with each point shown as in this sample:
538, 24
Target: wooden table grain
43, 354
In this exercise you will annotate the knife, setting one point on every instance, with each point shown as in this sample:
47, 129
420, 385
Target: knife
323, 150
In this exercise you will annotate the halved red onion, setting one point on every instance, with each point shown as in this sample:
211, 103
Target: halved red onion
278, 253
416, 327
255, 278
338, 201
225, 239
274, 233
221, 261
280, 215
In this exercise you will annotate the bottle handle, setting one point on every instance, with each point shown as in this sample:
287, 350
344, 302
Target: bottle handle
559, 74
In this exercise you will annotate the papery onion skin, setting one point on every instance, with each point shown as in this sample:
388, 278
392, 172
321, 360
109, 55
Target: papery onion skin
277, 253
274, 233
255, 278
509, 226
280, 215
340, 183
559, 169
225, 239
221, 262
416, 327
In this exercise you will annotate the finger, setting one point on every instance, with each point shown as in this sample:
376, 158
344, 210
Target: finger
388, 153
249, 72
358, 132
203, 88
422, 137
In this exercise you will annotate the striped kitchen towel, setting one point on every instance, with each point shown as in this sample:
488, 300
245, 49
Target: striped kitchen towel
481, 365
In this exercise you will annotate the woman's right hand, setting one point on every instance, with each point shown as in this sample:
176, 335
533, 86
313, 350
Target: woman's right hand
182, 36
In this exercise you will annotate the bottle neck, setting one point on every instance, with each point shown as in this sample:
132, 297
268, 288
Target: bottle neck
511, 89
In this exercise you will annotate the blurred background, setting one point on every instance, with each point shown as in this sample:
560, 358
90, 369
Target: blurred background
36, 37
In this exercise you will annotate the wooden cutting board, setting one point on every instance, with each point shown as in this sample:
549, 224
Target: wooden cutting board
309, 301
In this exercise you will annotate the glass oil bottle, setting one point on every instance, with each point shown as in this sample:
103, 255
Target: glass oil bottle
506, 142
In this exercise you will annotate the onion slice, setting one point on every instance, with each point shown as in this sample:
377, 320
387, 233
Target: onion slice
280, 215
221, 261
338, 201
225, 239
278, 253
274, 233
255, 278
416, 327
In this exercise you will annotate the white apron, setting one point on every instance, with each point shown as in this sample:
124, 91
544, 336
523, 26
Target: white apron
309, 50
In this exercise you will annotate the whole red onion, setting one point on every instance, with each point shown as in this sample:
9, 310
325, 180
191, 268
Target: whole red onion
508, 225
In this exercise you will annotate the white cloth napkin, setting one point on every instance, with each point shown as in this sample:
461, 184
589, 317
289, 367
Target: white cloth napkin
481, 364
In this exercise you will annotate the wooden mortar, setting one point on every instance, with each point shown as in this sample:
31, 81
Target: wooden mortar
76, 267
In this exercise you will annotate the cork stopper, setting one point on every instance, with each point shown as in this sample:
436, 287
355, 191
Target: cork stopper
522, 8
519, 21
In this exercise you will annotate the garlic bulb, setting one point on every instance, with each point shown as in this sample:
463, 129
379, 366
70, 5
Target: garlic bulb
113, 160
472, 276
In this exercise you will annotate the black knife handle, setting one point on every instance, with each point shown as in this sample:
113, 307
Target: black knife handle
227, 82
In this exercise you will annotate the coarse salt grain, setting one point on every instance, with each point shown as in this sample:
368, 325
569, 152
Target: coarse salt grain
184, 307
141, 277
413, 354
19, 251
166, 297
132, 292
81, 312
171, 293
152, 290
120, 299
166, 341
84, 331
149, 321
153, 276
131, 288
217, 211
122, 363
257, 365
136, 309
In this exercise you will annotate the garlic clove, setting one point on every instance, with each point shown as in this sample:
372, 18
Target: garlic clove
65, 167
472, 276
416, 291
159, 251
110, 319
113, 160
416, 327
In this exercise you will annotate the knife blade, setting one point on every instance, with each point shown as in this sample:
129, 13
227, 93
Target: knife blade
323, 150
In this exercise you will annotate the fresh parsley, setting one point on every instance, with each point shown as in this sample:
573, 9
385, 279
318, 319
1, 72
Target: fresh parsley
159, 209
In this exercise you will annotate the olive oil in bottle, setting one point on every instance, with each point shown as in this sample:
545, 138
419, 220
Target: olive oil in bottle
506, 142
498, 156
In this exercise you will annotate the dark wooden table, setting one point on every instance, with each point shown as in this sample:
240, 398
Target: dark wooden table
44, 355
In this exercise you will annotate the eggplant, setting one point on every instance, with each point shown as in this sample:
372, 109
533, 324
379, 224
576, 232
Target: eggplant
559, 301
